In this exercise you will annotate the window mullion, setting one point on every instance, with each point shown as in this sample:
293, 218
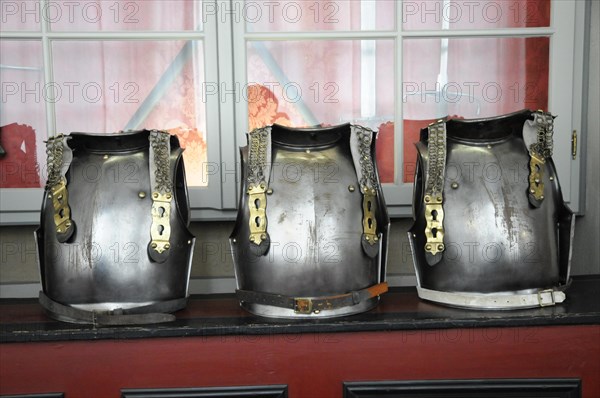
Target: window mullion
48, 72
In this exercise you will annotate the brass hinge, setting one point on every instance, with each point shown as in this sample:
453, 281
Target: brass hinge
574, 144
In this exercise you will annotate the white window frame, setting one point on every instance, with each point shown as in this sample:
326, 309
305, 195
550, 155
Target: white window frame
224, 41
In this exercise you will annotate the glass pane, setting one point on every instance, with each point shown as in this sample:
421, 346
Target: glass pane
307, 83
469, 78
306, 16
130, 15
20, 15
481, 14
22, 114
118, 85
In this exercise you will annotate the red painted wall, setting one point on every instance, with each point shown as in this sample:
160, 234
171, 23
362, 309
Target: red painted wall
313, 365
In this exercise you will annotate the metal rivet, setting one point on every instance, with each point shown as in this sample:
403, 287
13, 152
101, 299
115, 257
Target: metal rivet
531, 191
542, 197
234, 240
251, 238
440, 247
367, 238
414, 235
317, 311
551, 178
142, 194
105, 157
376, 239
263, 236
308, 151
155, 195
454, 185
169, 196
428, 247
190, 242
154, 245
537, 180
269, 191
351, 188
167, 246
489, 146
427, 199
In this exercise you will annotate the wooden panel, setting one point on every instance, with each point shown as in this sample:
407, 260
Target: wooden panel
311, 364
517, 388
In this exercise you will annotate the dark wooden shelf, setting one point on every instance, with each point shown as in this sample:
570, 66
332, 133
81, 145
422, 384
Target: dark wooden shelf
23, 320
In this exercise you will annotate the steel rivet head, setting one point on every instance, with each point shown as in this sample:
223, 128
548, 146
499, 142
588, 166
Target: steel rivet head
551, 178
263, 236
154, 245
167, 246
454, 185
155, 195
317, 311
190, 242
251, 238
542, 197
440, 247
489, 146
234, 240
428, 247
142, 194
308, 151
269, 191
351, 188
105, 157
537, 180
169, 196
531, 191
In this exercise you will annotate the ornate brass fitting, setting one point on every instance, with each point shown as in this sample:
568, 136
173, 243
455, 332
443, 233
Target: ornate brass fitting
258, 219
369, 220
160, 230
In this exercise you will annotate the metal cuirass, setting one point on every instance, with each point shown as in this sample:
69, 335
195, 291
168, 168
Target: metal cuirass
491, 228
113, 244
311, 234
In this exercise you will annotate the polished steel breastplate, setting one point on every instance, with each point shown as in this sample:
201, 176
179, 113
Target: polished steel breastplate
491, 229
113, 238
311, 235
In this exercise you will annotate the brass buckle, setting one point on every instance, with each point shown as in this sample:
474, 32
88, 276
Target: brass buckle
541, 300
303, 305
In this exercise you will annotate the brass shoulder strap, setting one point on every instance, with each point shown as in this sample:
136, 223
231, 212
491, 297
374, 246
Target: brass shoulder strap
257, 182
162, 195
434, 192
538, 137
58, 163
361, 139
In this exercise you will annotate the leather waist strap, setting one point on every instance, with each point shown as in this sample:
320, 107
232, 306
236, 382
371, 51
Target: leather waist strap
543, 298
306, 305
153, 313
